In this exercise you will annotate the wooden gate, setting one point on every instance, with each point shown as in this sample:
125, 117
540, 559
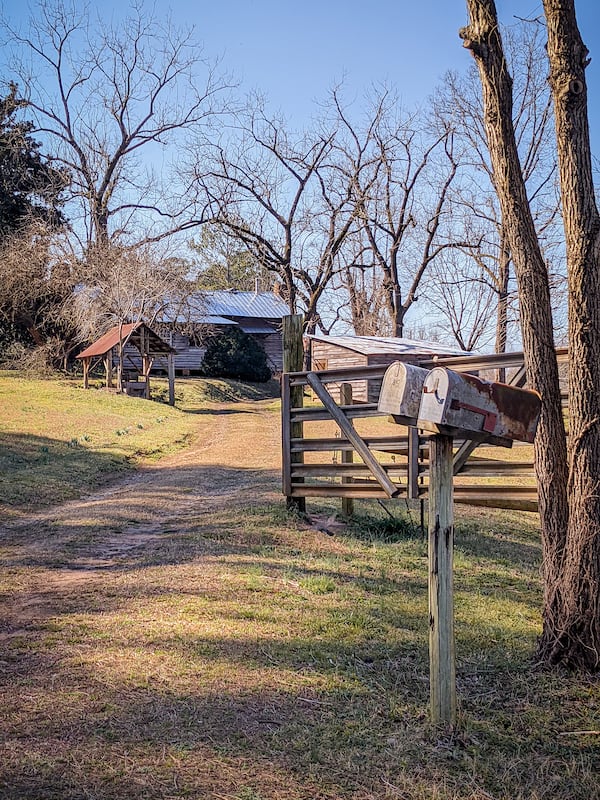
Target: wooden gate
350, 450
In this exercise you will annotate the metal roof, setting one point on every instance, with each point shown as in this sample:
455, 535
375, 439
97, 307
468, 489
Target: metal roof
111, 338
256, 327
257, 305
384, 345
199, 306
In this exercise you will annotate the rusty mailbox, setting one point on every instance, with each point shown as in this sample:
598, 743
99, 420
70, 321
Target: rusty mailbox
459, 403
401, 392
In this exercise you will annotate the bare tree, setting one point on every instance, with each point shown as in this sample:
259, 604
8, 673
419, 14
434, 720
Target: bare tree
570, 509
121, 285
401, 191
463, 296
478, 219
37, 275
277, 194
101, 93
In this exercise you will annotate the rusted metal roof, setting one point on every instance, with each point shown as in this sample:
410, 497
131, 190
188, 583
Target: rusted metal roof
129, 331
384, 345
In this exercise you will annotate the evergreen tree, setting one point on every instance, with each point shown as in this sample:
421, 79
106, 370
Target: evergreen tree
30, 188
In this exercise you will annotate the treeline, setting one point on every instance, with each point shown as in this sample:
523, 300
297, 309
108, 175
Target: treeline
140, 172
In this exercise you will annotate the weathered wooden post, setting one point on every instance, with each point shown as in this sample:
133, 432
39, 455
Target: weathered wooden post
347, 455
293, 359
171, 374
451, 404
86, 373
108, 367
442, 670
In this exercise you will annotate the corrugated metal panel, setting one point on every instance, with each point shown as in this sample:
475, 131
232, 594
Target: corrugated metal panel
256, 327
200, 306
372, 345
261, 305
119, 333
108, 341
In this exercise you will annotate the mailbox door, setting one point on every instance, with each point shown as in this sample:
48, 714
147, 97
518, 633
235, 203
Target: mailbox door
433, 400
461, 402
401, 391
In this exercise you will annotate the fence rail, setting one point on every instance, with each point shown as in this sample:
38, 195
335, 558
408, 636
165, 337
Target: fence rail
402, 454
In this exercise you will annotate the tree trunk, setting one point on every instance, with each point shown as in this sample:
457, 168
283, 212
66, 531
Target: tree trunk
572, 620
482, 37
502, 312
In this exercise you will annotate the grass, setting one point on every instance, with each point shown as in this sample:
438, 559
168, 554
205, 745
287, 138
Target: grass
57, 440
241, 654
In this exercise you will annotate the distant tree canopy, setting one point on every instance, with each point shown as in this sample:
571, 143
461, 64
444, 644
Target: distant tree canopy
234, 354
223, 264
30, 188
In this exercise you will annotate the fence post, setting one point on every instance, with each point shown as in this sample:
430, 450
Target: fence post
442, 668
347, 455
413, 464
171, 373
293, 358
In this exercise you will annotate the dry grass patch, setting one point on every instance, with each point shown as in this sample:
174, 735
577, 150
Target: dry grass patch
182, 637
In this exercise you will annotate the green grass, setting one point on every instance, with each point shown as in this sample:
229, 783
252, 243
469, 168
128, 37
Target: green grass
280, 663
237, 653
57, 440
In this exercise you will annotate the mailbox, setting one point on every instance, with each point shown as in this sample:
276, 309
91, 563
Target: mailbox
401, 392
458, 403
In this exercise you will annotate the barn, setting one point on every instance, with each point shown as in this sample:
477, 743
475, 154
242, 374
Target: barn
188, 323
339, 352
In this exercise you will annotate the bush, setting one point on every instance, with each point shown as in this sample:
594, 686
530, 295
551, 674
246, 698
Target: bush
234, 354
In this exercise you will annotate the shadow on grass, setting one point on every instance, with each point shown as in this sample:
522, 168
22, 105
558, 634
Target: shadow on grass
37, 470
300, 719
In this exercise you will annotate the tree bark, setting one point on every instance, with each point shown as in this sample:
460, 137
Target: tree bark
482, 37
502, 311
571, 631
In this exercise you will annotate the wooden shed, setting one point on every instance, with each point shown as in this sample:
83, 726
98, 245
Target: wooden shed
186, 324
339, 352
137, 337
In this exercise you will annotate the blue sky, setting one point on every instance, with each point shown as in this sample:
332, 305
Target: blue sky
293, 52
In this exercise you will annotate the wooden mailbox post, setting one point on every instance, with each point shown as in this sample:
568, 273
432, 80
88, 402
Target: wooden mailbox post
451, 404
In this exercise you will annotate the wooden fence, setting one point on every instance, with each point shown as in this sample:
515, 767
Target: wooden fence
351, 451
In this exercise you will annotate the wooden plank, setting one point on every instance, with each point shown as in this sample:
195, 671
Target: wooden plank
317, 413
490, 468
286, 473
293, 357
340, 375
345, 426
442, 667
347, 455
384, 444
357, 491
509, 503
343, 471
413, 463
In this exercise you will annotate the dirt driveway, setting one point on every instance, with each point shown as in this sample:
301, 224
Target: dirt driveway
233, 459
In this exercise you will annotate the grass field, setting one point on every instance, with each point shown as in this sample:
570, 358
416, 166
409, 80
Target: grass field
238, 653
57, 440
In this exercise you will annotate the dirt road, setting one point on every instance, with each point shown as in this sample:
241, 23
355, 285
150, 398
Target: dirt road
233, 459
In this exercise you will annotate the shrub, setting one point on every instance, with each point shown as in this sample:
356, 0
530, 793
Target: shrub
234, 354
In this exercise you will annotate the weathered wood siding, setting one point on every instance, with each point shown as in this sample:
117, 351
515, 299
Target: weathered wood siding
189, 358
327, 356
273, 347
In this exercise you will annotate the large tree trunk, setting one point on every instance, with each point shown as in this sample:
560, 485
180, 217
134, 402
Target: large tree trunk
572, 620
482, 37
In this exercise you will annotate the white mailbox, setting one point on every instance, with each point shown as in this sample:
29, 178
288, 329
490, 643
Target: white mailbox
457, 403
401, 392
